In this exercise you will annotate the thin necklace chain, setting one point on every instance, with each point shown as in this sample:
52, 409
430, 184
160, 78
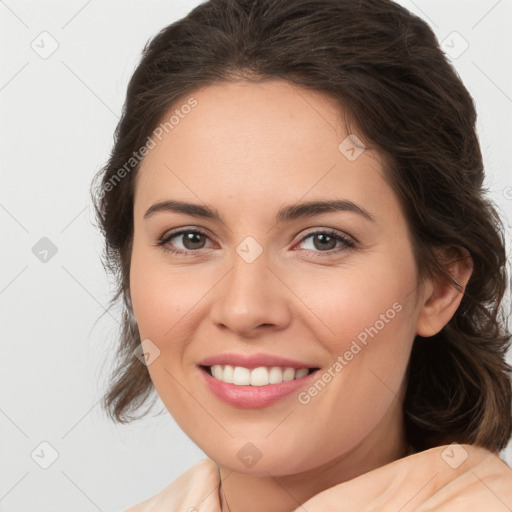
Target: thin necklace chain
221, 491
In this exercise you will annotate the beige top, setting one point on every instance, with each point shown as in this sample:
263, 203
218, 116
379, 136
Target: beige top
449, 478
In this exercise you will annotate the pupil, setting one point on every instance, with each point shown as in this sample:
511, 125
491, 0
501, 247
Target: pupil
324, 238
189, 240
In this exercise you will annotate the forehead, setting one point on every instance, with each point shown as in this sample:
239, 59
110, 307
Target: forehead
248, 116
248, 139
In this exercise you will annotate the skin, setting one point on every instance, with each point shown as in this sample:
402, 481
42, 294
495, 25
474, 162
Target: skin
248, 149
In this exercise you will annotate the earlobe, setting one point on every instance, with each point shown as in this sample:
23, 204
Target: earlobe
441, 299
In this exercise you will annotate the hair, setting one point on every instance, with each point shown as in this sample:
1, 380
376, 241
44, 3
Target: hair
384, 68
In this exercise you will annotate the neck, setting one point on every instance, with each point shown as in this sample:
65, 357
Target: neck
242, 492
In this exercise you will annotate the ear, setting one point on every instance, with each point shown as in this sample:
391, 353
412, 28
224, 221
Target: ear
440, 298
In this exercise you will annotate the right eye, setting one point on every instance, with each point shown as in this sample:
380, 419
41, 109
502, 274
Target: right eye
190, 241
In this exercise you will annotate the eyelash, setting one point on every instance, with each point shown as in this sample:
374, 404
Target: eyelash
350, 244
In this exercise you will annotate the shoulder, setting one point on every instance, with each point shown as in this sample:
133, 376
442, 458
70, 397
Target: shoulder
462, 478
193, 489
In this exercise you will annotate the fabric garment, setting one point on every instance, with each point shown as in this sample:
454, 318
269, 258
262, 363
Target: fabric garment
448, 478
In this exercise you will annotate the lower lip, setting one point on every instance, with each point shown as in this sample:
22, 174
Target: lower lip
253, 397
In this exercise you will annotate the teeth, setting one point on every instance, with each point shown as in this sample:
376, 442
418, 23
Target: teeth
241, 376
227, 375
260, 376
302, 372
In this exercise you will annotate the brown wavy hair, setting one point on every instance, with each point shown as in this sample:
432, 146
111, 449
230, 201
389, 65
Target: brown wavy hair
384, 67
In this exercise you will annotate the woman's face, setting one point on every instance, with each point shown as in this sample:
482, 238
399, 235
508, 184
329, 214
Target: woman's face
331, 289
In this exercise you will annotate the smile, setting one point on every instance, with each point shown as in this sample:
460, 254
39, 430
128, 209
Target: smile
254, 388
261, 376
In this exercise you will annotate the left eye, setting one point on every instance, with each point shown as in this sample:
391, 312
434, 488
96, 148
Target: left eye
325, 241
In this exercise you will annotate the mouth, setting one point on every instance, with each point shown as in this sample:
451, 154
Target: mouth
260, 376
253, 381
255, 388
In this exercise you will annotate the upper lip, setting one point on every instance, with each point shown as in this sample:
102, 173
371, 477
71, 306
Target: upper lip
253, 361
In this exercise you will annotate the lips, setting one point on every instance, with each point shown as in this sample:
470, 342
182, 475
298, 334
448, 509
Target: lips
255, 361
256, 380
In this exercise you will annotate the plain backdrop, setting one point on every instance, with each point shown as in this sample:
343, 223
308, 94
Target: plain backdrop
64, 70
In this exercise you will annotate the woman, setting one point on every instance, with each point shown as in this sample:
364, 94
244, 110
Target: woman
368, 374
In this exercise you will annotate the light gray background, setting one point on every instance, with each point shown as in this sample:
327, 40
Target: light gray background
58, 115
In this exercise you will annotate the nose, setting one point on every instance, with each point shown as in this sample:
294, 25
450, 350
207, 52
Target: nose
251, 298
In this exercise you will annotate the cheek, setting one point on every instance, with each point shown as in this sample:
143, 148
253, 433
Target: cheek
359, 303
161, 294
167, 304
367, 326
369, 357
163, 302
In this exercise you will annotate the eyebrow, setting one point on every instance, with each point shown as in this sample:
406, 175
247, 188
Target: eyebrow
287, 213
